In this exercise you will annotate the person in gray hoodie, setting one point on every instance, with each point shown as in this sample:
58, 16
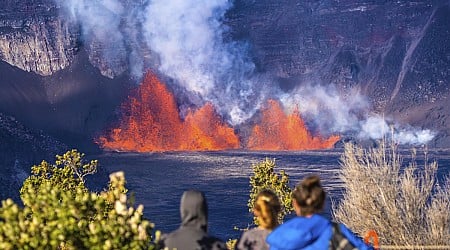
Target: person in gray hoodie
193, 231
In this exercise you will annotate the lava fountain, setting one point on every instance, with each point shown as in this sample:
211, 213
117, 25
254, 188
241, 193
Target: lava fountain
280, 131
151, 123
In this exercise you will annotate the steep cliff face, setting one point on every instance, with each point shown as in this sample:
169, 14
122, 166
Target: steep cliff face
422, 90
34, 38
40, 36
346, 43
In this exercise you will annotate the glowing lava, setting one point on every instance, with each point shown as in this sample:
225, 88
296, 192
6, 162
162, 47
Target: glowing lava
151, 122
278, 131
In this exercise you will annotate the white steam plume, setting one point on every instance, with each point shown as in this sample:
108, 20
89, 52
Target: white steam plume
376, 127
109, 29
187, 35
330, 113
325, 107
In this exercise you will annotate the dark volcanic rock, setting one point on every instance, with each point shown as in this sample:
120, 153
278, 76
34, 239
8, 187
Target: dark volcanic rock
73, 104
34, 38
395, 52
40, 36
20, 148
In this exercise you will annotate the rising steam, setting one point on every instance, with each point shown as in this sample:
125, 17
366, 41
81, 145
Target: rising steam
109, 31
330, 113
377, 127
188, 37
187, 44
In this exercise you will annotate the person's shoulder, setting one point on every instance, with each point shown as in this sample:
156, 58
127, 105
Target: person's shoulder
353, 238
306, 222
216, 243
319, 219
291, 233
257, 230
254, 238
168, 235
299, 232
168, 238
256, 233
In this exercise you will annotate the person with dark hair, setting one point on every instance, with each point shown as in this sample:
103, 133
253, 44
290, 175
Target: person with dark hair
309, 230
192, 233
266, 209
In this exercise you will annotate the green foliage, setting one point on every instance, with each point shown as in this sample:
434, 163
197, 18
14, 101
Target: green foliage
264, 177
60, 213
67, 173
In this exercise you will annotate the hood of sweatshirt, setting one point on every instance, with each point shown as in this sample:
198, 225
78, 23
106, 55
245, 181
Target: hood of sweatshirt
194, 210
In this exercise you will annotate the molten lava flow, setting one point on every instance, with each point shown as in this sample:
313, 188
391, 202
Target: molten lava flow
278, 131
207, 131
152, 123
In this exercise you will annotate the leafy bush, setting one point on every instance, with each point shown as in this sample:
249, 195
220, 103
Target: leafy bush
404, 206
264, 177
60, 213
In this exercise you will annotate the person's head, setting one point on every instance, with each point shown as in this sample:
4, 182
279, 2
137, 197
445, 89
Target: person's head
308, 196
266, 208
194, 210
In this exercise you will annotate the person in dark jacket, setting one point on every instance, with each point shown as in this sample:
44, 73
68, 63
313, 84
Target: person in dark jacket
266, 209
192, 233
309, 230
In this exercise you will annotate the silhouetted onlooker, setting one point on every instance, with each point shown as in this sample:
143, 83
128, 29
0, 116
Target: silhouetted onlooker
266, 209
308, 230
192, 233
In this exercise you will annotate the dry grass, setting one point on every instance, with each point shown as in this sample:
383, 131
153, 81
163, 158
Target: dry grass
405, 206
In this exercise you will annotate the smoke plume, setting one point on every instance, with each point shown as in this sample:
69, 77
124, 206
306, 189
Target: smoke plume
376, 127
110, 32
184, 40
330, 112
188, 37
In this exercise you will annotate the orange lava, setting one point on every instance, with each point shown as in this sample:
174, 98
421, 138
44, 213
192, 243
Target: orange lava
151, 122
278, 131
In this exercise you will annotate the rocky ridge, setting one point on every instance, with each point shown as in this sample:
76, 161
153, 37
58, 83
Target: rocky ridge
40, 36
34, 38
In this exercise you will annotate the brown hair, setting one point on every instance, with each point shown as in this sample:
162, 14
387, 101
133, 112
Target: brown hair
309, 195
268, 204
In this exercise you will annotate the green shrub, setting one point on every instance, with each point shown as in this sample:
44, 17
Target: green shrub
68, 173
60, 213
404, 206
264, 177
